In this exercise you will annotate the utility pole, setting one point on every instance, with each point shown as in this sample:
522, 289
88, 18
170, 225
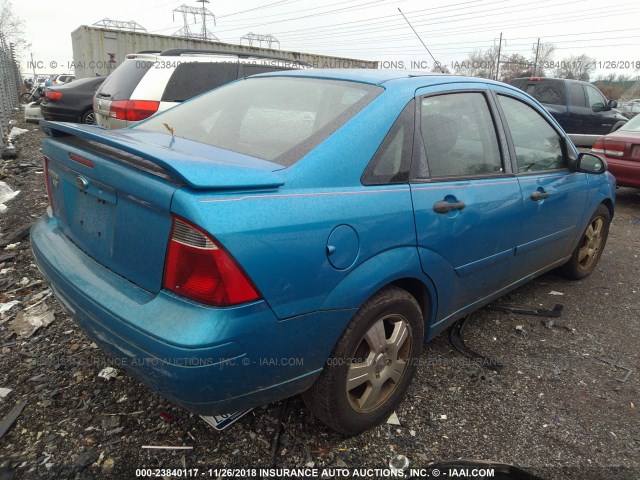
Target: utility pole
498, 62
535, 64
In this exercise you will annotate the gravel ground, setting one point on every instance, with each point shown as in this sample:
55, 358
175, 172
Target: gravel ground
557, 407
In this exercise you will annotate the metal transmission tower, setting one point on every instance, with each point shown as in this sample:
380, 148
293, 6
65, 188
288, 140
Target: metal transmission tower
257, 38
186, 10
129, 26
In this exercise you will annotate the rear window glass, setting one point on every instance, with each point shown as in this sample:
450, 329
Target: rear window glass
124, 79
546, 91
632, 125
279, 119
194, 78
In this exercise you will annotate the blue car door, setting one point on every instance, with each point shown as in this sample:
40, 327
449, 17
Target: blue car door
467, 202
553, 197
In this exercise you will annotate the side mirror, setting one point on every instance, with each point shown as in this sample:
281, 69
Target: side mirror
612, 104
590, 163
598, 107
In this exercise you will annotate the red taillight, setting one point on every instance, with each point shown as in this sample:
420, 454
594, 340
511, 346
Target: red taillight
598, 147
49, 95
199, 268
613, 148
609, 148
133, 110
46, 161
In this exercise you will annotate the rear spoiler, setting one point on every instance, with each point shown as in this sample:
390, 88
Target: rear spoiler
211, 168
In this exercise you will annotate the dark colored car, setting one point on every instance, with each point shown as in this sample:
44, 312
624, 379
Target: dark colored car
579, 107
72, 102
307, 231
621, 149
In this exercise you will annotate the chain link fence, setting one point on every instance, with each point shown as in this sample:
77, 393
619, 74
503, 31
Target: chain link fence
9, 95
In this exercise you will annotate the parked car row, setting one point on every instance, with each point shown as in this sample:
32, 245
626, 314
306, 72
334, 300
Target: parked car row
338, 219
621, 150
71, 102
579, 107
146, 83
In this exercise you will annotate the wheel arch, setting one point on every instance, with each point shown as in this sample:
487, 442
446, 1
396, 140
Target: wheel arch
607, 202
398, 267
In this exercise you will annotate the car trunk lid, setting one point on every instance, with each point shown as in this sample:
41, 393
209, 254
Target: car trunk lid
111, 192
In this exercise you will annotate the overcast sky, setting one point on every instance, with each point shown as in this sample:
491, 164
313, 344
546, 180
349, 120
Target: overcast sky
369, 29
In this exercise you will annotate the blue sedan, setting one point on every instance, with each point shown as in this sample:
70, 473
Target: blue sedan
308, 231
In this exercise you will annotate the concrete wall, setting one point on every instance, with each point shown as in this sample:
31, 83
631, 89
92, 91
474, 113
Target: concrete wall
97, 51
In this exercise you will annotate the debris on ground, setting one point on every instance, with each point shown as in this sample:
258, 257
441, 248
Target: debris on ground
6, 194
108, 373
29, 321
393, 419
5, 391
553, 292
15, 131
7, 422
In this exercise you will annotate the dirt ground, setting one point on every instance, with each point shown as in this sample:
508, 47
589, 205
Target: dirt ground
558, 407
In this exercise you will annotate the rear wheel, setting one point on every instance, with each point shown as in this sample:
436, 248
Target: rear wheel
26, 97
372, 364
586, 255
88, 117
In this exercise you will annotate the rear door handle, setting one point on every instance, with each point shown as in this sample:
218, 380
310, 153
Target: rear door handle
538, 195
443, 207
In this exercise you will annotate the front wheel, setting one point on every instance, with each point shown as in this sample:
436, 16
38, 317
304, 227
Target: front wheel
26, 97
586, 255
372, 364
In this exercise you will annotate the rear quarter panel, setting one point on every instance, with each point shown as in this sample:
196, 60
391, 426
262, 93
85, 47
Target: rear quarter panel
280, 237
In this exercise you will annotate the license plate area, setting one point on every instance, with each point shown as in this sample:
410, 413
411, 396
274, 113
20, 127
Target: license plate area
221, 422
86, 210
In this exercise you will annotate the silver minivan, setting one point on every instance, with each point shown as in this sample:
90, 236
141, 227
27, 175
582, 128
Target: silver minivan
146, 83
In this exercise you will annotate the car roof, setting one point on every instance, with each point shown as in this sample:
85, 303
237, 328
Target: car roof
375, 76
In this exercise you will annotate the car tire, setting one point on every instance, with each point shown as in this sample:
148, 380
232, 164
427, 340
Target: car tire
617, 125
379, 369
587, 253
88, 118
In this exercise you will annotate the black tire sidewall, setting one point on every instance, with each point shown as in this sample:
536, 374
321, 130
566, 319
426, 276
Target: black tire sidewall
572, 268
345, 418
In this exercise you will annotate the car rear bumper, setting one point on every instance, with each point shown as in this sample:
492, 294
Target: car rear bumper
627, 172
59, 114
208, 360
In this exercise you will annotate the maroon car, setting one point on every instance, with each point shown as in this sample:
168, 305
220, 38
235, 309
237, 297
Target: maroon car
621, 150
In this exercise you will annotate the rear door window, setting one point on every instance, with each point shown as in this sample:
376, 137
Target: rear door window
124, 79
576, 95
459, 136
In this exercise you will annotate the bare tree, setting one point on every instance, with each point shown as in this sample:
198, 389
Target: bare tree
514, 66
12, 26
545, 54
478, 64
576, 67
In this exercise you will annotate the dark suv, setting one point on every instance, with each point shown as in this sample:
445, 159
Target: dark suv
579, 107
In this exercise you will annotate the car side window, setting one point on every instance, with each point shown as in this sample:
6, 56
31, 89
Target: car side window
576, 95
596, 100
538, 146
392, 161
459, 135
